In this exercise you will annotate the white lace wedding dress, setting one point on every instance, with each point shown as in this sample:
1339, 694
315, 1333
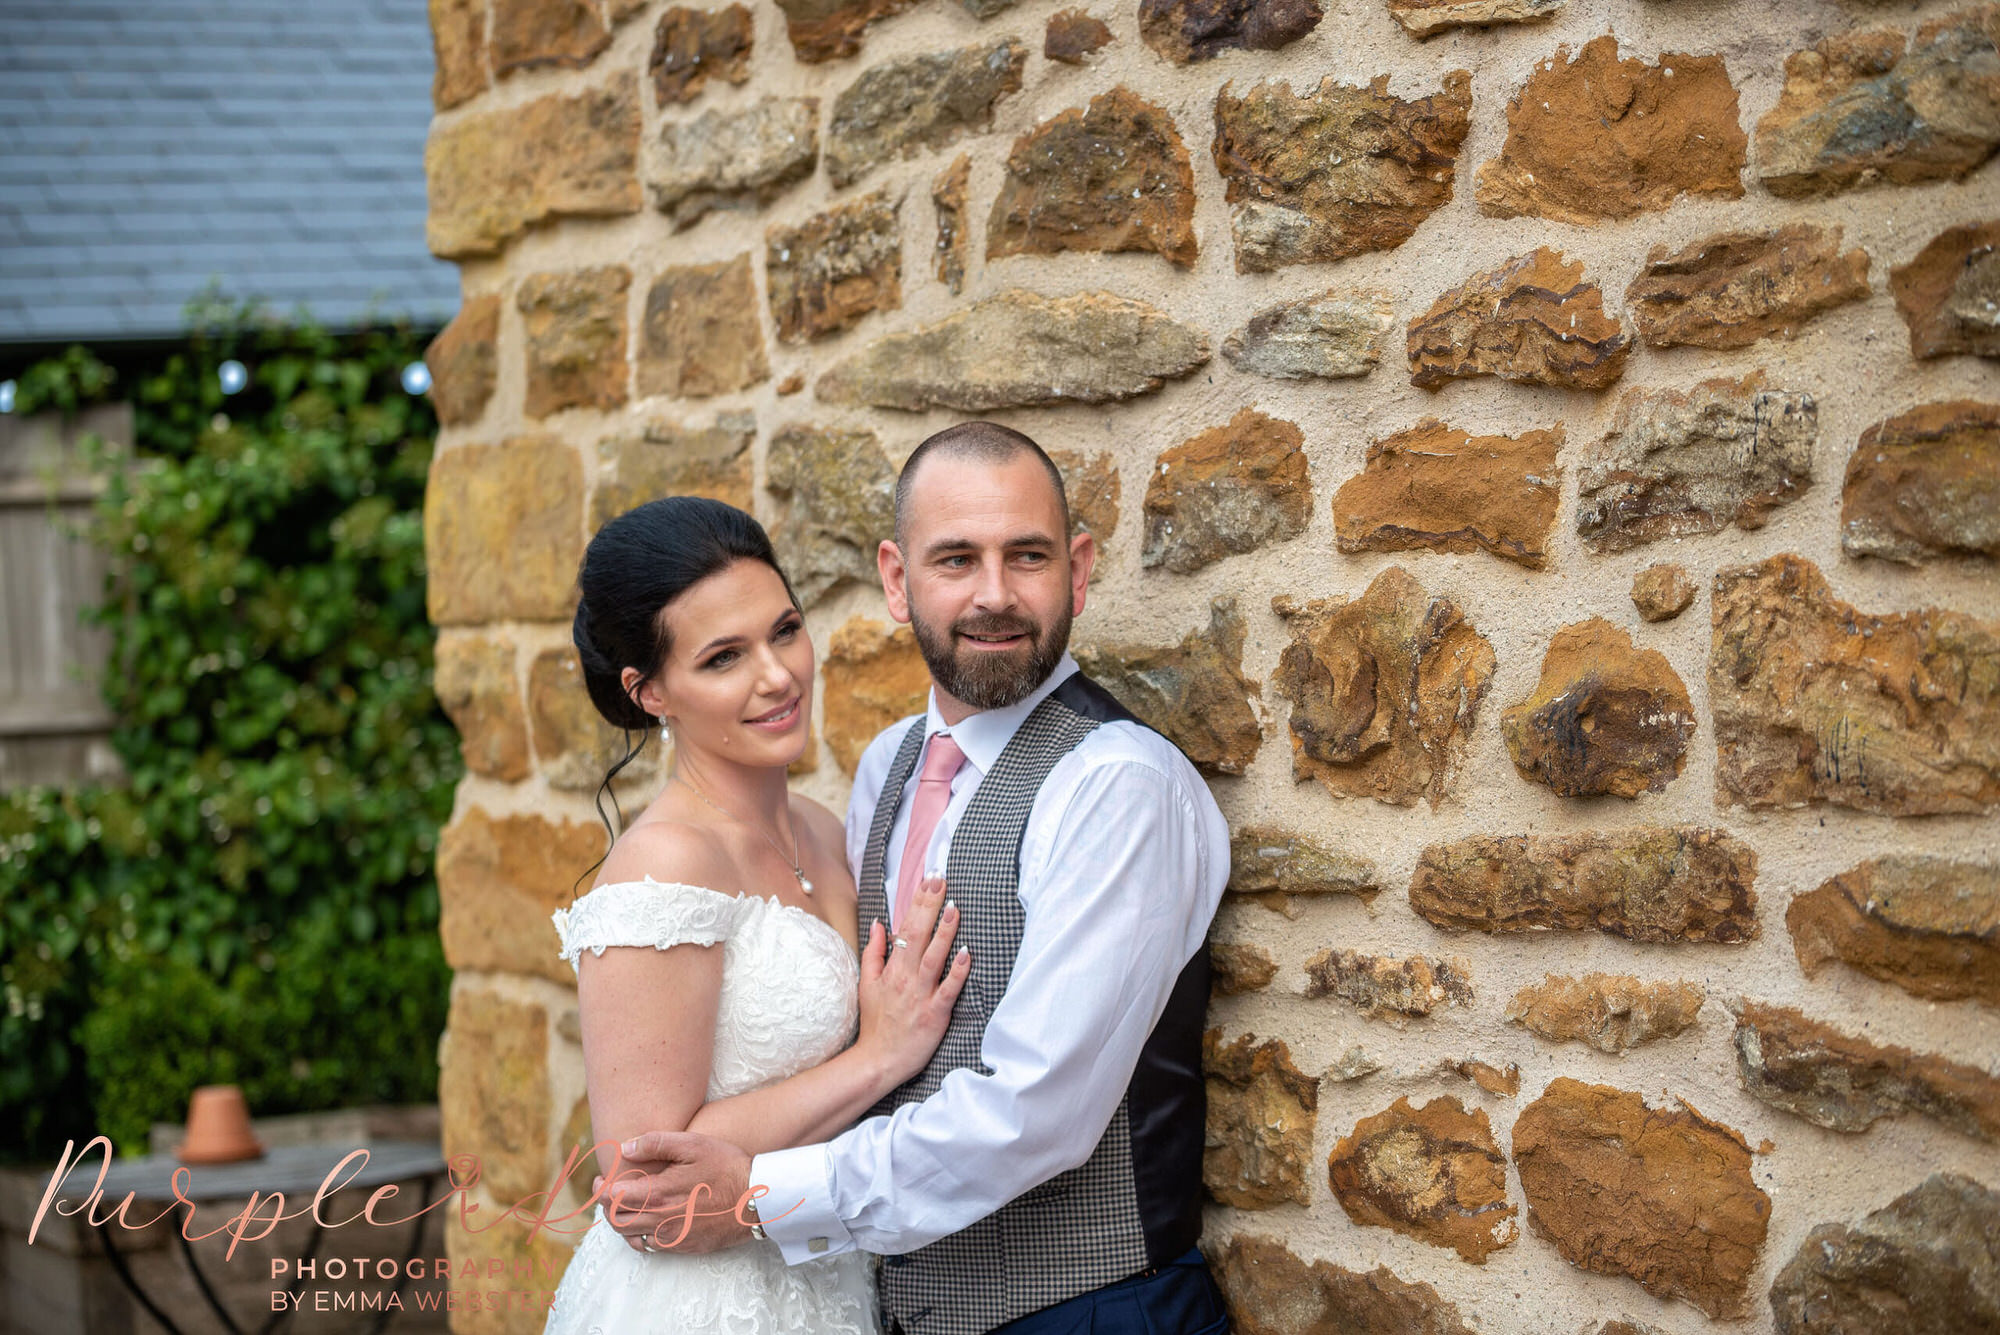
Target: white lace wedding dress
788, 1002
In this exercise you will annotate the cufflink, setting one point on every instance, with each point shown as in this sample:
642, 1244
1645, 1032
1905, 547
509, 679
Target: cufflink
816, 1245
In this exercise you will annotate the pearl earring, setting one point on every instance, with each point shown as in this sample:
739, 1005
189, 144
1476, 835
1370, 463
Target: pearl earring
666, 734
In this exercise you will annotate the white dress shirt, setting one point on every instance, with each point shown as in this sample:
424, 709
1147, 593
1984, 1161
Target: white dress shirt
1123, 862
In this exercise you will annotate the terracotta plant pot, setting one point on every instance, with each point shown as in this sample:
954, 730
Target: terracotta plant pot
218, 1128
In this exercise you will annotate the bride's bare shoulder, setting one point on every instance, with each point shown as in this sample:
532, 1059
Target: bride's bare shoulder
666, 850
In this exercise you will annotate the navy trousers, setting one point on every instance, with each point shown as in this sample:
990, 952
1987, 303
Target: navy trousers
1179, 1298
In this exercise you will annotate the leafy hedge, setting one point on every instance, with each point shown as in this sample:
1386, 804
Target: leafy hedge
257, 905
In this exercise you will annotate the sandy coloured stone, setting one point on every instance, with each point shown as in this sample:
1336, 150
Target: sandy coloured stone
1847, 1083
1603, 718
503, 532
1601, 137
1431, 1172
1092, 487
667, 459
1270, 1291
1225, 491
1662, 591
464, 361
1240, 967
1273, 865
692, 46
734, 159
1111, 177
1193, 693
1733, 288
458, 45
574, 325
1427, 18
1261, 1112
1383, 987
1532, 320
954, 232
1436, 487
823, 30
1334, 335
1924, 484
1610, 1012
510, 1247
1339, 171
576, 748
1868, 106
1816, 701
1925, 1264
837, 490
475, 682
1354, 1064
493, 1087
1502, 1080
1678, 463
835, 267
1186, 31
874, 675
530, 34
1089, 347
1385, 690
1071, 35
493, 175
1929, 925
923, 102
1664, 1197
499, 879
1644, 883
1949, 292
700, 334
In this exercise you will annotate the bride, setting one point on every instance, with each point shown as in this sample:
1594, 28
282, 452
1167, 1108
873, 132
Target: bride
721, 982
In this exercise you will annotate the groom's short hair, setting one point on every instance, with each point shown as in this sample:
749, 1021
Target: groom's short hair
987, 442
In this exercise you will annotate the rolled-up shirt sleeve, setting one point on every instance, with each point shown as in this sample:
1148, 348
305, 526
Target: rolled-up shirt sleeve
1115, 902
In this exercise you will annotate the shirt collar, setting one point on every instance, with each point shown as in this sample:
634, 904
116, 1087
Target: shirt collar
984, 735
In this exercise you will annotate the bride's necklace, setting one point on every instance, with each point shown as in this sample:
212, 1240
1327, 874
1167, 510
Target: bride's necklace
804, 884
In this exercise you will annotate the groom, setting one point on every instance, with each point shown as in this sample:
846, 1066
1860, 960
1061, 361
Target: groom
1043, 1173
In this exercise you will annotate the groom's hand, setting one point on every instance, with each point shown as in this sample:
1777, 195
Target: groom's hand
679, 1190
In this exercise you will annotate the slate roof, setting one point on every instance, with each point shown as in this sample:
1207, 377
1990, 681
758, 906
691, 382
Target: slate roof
147, 146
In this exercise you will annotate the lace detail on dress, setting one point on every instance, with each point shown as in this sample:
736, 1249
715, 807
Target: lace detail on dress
645, 913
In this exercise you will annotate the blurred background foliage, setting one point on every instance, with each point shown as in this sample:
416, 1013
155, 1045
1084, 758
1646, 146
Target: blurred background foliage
256, 904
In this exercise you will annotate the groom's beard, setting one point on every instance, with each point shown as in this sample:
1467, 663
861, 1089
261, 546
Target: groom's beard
983, 678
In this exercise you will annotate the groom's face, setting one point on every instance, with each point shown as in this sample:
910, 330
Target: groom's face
987, 579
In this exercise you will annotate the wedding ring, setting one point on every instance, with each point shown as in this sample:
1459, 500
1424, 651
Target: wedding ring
898, 943
649, 1245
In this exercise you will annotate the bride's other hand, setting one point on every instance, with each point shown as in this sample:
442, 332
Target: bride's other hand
907, 992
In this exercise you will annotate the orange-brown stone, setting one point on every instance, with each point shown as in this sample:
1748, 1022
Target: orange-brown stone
1733, 288
1929, 925
493, 1088
1645, 884
954, 233
574, 744
529, 34
835, 267
666, 459
1111, 177
464, 361
1185, 31
1071, 35
458, 46
822, 30
1662, 591
1609, 1012
1383, 987
1949, 292
1092, 487
1438, 487
692, 46
1240, 967
1598, 137
874, 674
700, 334
1664, 1197
1261, 1111
1432, 1172
1273, 865
1270, 1291
503, 532
1925, 483
1817, 701
1337, 171
1533, 320
1225, 491
476, 683
575, 329
1604, 717
1193, 693
499, 879
1385, 690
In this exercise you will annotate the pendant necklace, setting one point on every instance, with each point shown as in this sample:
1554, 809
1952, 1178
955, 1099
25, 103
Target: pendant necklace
798, 871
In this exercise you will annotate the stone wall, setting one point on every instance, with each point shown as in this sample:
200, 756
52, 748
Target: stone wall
1546, 475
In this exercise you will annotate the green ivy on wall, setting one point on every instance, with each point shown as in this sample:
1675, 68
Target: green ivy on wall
257, 905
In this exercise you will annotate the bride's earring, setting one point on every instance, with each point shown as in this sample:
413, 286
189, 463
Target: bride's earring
666, 733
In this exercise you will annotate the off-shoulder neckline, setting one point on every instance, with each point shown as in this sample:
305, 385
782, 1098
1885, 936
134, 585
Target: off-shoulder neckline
772, 900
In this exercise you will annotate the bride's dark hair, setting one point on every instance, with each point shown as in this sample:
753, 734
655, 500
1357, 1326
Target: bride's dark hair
637, 564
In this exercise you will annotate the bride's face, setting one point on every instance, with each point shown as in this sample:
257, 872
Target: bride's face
740, 654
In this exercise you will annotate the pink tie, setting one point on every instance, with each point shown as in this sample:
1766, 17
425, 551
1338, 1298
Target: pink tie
941, 762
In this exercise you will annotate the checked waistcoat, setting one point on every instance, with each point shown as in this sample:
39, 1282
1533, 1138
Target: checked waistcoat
1136, 1202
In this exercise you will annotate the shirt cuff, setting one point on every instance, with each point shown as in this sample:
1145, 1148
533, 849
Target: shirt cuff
797, 1208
